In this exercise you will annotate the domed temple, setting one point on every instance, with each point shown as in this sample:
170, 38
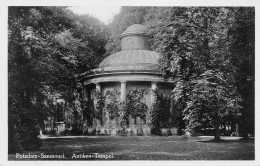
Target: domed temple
119, 94
127, 76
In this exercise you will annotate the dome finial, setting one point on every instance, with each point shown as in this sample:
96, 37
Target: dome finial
135, 37
135, 29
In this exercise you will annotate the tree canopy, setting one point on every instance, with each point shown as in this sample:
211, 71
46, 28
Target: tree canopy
48, 47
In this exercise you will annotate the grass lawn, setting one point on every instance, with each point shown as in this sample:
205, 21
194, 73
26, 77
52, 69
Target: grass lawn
144, 148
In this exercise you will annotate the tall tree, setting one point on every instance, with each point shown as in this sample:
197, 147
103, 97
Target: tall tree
194, 41
242, 48
48, 47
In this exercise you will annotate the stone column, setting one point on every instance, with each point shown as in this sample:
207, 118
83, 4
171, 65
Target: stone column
153, 96
123, 97
85, 93
171, 110
85, 98
123, 91
63, 111
237, 129
98, 88
153, 88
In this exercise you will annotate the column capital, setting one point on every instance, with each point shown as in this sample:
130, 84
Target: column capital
154, 85
85, 93
123, 81
98, 87
153, 88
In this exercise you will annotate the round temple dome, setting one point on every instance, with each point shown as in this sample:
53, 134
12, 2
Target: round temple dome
135, 29
134, 46
135, 61
131, 57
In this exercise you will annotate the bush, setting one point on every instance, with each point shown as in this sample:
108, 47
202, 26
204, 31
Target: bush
14, 141
131, 133
140, 131
156, 131
22, 134
66, 132
180, 131
29, 137
98, 132
154, 115
122, 132
169, 132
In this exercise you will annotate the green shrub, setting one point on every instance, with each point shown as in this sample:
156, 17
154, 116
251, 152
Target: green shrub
29, 137
180, 131
122, 132
169, 133
140, 131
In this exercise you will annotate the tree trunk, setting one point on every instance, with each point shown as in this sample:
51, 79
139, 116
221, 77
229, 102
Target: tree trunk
217, 132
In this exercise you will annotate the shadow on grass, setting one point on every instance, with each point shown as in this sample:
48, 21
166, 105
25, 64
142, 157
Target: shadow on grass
228, 141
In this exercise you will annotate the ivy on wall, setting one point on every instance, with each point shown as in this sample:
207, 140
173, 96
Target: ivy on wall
123, 114
99, 103
136, 103
112, 100
88, 111
136, 107
159, 112
120, 110
164, 110
154, 114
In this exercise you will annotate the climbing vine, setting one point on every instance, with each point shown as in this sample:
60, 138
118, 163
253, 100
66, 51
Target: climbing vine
154, 114
88, 111
164, 110
122, 119
136, 103
112, 103
99, 103
136, 106
159, 112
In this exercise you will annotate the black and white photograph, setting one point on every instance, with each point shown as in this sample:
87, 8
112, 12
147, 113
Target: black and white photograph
130, 83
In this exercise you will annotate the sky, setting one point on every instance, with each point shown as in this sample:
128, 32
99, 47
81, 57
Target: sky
103, 13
